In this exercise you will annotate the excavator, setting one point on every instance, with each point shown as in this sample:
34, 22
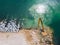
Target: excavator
41, 27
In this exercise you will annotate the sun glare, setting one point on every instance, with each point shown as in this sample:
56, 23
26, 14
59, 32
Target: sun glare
40, 8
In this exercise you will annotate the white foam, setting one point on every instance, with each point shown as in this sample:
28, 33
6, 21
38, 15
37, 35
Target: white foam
11, 26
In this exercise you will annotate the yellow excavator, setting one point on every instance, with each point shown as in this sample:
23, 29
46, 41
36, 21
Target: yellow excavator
41, 27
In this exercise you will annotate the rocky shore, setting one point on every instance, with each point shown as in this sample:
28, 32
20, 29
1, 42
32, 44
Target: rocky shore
28, 37
46, 38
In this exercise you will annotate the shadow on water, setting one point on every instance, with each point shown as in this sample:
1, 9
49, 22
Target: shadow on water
56, 27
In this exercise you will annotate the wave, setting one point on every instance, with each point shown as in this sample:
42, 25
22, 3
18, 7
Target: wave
10, 26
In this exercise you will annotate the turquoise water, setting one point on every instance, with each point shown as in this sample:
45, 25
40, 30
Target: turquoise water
24, 11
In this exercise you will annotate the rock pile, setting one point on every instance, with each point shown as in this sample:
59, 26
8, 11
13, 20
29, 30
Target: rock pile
48, 38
